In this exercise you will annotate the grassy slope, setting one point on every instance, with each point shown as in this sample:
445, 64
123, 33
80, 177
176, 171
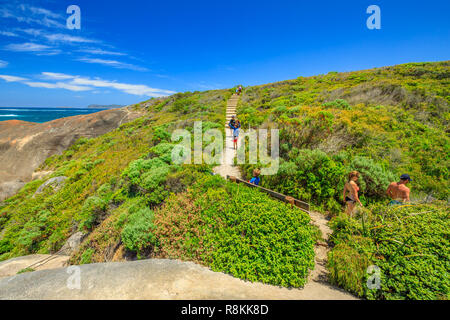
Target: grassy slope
381, 122
42, 223
391, 120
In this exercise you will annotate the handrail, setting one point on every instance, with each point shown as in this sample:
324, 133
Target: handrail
304, 206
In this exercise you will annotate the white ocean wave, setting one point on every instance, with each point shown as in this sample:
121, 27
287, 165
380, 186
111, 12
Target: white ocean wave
9, 115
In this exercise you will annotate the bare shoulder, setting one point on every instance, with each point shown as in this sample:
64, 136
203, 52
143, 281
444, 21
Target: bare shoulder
393, 184
403, 187
353, 185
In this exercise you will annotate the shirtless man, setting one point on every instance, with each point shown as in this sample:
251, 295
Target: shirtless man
398, 191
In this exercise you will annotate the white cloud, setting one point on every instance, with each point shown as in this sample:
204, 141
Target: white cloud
31, 31
58, 85
40, 40
35, 48
57, 76
9, 78
78, 83
59, 37
113, 63
26, 47
32, 15
8, 34
3, 64
56, 37
44, 12
135, 89
102, 52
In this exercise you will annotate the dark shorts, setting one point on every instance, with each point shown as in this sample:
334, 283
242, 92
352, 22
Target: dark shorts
347, 199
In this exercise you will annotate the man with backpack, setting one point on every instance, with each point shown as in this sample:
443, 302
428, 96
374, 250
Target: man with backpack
232, 124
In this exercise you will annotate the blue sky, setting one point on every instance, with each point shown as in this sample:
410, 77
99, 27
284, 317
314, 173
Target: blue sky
129, 51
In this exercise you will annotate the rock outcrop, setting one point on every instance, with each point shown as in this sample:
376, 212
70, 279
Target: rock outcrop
56, 183
72, 244
149, 279
25, 145
33, 262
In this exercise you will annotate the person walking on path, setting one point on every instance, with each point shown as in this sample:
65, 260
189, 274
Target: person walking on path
237, 125
398, 191
232, 124
350, 193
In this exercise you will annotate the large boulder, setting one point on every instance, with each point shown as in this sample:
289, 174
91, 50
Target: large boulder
72, 244
24, 146
151, 279
10, 188
56, 183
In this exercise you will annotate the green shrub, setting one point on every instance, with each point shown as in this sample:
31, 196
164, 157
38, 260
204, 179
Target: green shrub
86, 257
160, 134
34, 231
238, 230
352, 278
374, 179
91, 211
311, 175
410, 244
137, 234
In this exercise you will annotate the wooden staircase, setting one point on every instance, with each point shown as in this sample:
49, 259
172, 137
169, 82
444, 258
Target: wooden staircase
231, 109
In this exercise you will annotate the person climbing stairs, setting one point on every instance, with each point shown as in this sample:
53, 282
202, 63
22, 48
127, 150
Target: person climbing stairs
227, 165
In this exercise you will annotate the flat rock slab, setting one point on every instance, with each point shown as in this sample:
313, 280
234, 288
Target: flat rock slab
150, 279
36, 261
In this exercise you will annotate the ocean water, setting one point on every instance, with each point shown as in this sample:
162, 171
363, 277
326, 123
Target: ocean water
41, 115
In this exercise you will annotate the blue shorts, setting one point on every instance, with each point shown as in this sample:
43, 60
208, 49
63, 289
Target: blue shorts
395, 203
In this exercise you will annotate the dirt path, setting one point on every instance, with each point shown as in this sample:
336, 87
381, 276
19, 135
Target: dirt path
227, 167
318, 279
317, 285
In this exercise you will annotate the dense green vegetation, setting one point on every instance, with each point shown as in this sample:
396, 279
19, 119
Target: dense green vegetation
124, 193
238, 230
101, 181
382, 122
410, 244
115, 188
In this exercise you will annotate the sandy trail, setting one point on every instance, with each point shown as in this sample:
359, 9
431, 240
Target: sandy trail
227, 167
